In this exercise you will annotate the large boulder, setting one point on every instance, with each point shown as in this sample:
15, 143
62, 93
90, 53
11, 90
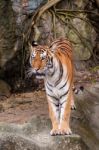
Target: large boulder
35, 136
87, 103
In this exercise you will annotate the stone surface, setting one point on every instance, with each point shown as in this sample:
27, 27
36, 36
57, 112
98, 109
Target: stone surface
12, 15
25, 7
77, 29
25, 119
35, 136
7, 32
88, 106
4, 89
84, 38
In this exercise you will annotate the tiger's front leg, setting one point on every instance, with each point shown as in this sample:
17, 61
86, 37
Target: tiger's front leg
65, 111
54, 116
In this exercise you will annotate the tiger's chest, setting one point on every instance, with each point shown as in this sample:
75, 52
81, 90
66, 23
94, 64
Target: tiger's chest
56, 91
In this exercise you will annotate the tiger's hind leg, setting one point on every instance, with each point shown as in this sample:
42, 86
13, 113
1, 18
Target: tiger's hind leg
54, 116
64, 127
73, 106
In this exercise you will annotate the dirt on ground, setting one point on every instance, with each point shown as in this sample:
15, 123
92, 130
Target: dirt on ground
23, 104
19, 108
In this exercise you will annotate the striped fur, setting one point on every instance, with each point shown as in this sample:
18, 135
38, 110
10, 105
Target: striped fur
54, 63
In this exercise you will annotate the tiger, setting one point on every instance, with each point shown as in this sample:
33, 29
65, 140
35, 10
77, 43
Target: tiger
54, 64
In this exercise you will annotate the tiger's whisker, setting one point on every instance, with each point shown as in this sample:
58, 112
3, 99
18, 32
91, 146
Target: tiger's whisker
29, 73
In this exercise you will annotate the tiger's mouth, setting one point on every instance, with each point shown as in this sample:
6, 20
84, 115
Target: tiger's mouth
40, 75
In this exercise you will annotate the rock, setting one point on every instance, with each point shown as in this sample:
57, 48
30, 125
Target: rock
97, 1
81, 35
78, 30
80, 3
1, 108
12, 29
35, 136
7, 32
22, 8
4, 89
93, 89
87, 103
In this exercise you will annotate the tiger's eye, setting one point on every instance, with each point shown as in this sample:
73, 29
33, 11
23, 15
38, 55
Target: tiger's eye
33, 55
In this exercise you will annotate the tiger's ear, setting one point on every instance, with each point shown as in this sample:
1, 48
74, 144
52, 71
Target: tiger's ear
34, 43
53, 48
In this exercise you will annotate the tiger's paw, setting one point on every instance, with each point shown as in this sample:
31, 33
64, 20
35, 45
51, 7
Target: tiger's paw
65, 131
54, 132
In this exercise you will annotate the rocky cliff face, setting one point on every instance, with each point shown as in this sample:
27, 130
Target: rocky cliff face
15, 19
12, 15
75, 27
7, 32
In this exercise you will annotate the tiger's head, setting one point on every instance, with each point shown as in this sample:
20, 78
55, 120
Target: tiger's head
41, 59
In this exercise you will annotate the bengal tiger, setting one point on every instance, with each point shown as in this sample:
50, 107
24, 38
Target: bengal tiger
55, 65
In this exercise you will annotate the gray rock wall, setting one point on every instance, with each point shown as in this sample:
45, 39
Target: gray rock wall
7, 32
12, 26
35, 136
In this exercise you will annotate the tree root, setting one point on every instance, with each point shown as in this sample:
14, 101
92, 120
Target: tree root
77, 11
64, 15
36, 17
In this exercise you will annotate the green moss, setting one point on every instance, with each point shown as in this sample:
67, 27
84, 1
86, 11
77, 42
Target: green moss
94, 69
